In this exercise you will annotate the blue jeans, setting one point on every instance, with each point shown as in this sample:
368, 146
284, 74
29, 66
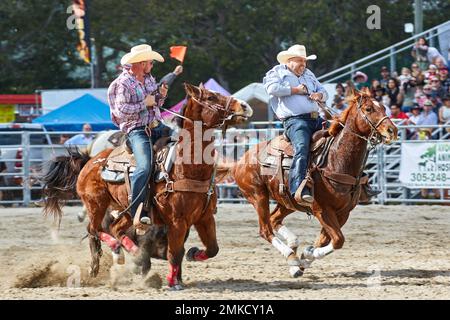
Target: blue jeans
299, 129
143, 153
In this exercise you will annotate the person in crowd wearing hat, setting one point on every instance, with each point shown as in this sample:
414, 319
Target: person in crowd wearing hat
414, 115
294, 91
431, 72
385, 75
134, 98
427, 116
82, 139
360, 80
338, 105
379, 93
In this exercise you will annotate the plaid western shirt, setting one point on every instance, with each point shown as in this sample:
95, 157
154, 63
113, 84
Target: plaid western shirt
126, 100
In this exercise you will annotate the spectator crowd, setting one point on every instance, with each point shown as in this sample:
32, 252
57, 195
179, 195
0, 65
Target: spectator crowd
419, 95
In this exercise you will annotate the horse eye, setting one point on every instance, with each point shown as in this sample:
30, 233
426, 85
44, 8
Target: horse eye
212, 98
369, 109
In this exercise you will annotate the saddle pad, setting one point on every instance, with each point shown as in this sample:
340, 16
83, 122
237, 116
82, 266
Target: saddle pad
113, 176
272, 161
119, 160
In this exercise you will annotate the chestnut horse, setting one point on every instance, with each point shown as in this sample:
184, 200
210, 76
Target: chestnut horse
183, 200
364, 120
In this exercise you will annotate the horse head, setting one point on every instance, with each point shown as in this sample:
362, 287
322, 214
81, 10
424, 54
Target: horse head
214, 109
370, 119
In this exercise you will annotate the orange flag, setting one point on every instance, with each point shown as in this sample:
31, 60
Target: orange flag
178, 52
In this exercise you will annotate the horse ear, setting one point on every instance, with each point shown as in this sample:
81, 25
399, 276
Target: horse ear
191, 90
201, 86
366, 91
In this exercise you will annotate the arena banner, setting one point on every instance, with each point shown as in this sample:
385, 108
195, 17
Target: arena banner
82, 23
425, 165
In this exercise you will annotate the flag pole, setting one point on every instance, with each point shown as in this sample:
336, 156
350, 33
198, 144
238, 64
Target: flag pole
92, 64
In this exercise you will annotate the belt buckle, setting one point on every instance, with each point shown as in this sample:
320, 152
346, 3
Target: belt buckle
314, 115
154, 124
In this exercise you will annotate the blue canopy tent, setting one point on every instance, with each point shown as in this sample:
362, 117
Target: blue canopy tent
72, 116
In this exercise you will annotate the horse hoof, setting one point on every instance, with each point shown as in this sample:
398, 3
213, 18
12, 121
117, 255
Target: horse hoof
177, 287
305, 264
308, 253
295, 272
118, 257
293, 260
190, 255
81, 216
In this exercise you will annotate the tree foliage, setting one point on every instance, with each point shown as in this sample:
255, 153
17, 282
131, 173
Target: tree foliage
235, 42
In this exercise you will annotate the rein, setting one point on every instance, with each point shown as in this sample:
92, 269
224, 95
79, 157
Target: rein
199, 186
374, 137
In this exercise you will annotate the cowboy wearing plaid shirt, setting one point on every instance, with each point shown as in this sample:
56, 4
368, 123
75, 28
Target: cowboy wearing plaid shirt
134, 99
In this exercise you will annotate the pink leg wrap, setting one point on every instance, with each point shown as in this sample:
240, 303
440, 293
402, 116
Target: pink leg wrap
200, 256
112, 242
172, 276
129, 245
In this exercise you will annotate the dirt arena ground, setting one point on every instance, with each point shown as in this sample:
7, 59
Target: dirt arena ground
391, 252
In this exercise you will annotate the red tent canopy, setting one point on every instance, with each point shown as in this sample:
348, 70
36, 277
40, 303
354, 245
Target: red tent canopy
20, 99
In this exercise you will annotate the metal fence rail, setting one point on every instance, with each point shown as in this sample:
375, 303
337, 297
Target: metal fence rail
19, 184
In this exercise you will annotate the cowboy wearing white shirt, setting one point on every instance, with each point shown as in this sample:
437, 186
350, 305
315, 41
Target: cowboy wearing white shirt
294, 91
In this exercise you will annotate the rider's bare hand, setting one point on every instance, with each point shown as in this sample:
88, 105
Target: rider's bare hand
316, 96
150, 101
178, 70
163, 90
300, 89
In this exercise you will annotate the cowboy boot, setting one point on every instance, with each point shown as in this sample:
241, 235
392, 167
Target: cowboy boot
367, 193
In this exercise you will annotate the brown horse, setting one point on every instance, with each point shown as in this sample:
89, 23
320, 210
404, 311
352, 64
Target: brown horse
364, 120
183, 200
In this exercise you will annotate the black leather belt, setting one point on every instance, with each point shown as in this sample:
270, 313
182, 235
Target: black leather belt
310, 115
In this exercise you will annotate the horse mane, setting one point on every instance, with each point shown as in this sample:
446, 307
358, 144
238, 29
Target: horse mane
335, 126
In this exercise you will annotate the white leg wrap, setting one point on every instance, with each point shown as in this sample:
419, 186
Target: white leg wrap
319, 253
280, 246
290, 237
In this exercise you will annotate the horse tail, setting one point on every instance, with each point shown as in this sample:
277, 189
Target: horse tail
60, 180
225, 170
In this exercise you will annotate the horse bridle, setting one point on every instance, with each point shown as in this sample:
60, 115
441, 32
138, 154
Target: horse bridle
375, 137
227, 113
215, 107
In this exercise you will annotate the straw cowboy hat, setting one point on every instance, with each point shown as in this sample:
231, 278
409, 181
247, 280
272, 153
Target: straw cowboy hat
296, 50
142, 52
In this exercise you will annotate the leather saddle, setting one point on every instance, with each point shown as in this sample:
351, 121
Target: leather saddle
121, 163
280, 149
276, 157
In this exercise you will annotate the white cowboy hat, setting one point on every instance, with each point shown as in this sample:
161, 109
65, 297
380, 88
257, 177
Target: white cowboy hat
296, 50
142, 52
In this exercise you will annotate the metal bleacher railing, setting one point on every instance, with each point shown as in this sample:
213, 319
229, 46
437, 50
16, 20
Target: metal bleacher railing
390, 53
